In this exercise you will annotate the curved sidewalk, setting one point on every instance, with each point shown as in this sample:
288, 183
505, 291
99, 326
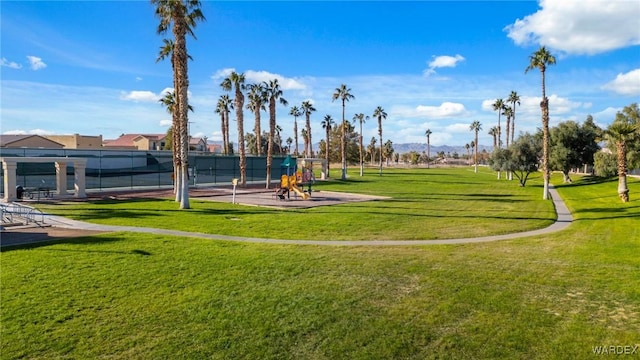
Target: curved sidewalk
563, 220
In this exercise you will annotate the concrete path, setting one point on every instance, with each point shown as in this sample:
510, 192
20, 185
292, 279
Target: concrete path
564, 219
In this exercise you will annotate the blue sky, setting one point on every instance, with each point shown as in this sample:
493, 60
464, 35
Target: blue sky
89, 67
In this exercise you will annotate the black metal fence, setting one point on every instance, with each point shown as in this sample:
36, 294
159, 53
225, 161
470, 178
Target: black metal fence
130, 168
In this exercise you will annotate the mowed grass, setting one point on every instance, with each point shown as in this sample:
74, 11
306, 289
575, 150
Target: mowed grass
140, 296
422, 204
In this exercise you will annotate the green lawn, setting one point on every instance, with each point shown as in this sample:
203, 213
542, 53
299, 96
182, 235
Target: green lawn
422, 204
140, 296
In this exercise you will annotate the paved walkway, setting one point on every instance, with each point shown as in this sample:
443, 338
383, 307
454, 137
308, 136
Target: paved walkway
564, 219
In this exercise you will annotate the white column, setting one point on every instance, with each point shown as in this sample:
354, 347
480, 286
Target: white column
79, 168
61, 178
9, 180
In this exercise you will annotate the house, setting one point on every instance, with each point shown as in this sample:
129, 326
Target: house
198, 144
77, 141
28, 141
137, 142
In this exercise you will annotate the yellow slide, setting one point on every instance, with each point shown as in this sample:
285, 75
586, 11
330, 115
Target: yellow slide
300, 192
289, 183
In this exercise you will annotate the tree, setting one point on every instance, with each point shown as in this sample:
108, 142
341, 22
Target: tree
508, 113
223, 107
623, 131
540, 60
344, 94
475, 127
605, 164
380, 114
631, 114
388, 150
257, 98
289, 142
521, 158
181, 17
307, 109
235, 81
361, 118
428, 133
169, 102
513, 99
571, 145
494, 133
295, 112
498, 106
305, 140
327, 125
371, 149
274, 93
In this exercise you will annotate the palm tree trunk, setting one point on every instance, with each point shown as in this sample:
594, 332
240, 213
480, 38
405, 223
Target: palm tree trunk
361, 155
272, 129
381, 146
257, 131
475, 150
545, 147
342, 147
309, 143
623, 189
295, 134
241, 148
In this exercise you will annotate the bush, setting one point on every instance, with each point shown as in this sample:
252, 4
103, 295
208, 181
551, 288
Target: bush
605, 164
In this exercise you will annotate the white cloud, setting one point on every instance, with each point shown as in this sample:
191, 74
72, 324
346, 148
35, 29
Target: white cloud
140, 96
10, 64
28, 132
446, 109
36, 63
144, 95
579, 27
166, 123
252, 76
222, 73
625, 84
458, 128
285, 83
442, 61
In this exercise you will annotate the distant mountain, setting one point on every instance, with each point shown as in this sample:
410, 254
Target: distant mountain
417, 147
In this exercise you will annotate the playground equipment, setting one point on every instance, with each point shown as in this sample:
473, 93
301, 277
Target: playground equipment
294, 180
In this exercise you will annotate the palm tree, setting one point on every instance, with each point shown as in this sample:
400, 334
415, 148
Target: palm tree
289, 142
274, 93
327, 125
257, 97
344, 94
307, 109
181, 17
278, 138
371, 149
513, 99
223, 108
361, 118
620, 132
236, 81
428, 135
498, 106
467, 147
295, 112
508, 113
494, 132
305, 139
539, 60
380, 114
475, 127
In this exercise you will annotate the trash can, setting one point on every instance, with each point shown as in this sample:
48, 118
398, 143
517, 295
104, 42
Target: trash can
19, 192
